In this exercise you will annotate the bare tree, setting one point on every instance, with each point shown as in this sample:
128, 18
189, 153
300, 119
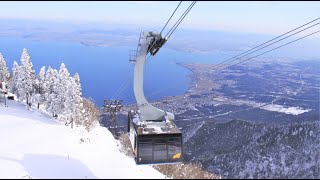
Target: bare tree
91, 114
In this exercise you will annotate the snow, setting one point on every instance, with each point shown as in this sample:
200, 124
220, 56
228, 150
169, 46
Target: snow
136, 120
157, 129
286, 110
36, 146
153, 127
193, 131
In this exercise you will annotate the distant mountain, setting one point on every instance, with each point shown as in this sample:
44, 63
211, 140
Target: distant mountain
103, 34
240, 149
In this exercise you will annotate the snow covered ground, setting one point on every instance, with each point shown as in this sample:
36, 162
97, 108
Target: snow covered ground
286, 110
33, 145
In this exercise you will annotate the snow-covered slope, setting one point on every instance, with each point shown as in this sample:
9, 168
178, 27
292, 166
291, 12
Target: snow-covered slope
35, 145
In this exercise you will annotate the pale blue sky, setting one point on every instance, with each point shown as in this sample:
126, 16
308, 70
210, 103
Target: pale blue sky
259, 17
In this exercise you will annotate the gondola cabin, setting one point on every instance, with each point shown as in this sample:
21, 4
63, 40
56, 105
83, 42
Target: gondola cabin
154, 142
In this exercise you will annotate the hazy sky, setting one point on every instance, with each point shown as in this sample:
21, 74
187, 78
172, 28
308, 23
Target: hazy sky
260, 17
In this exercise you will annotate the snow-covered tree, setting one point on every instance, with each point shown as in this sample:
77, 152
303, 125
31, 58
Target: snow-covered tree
4, 73
51, 91
84, 111
63, 108
56, 90
28, 76
39, 96
78, 101
74, 102
15, 84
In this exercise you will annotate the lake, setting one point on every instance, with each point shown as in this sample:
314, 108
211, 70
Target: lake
103, 70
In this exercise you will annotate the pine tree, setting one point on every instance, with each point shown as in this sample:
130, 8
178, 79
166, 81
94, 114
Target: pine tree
39, 96
28, 76
63, 108
4, 73
51, 91
13, 85
75, 101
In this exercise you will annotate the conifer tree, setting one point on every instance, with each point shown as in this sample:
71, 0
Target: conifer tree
27, 77
39, 96
51, 91
14, 77
4, 73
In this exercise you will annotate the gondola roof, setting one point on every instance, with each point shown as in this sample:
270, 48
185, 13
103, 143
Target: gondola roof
165, 126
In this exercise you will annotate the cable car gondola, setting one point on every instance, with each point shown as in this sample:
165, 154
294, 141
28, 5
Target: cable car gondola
154, 141
153, 134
